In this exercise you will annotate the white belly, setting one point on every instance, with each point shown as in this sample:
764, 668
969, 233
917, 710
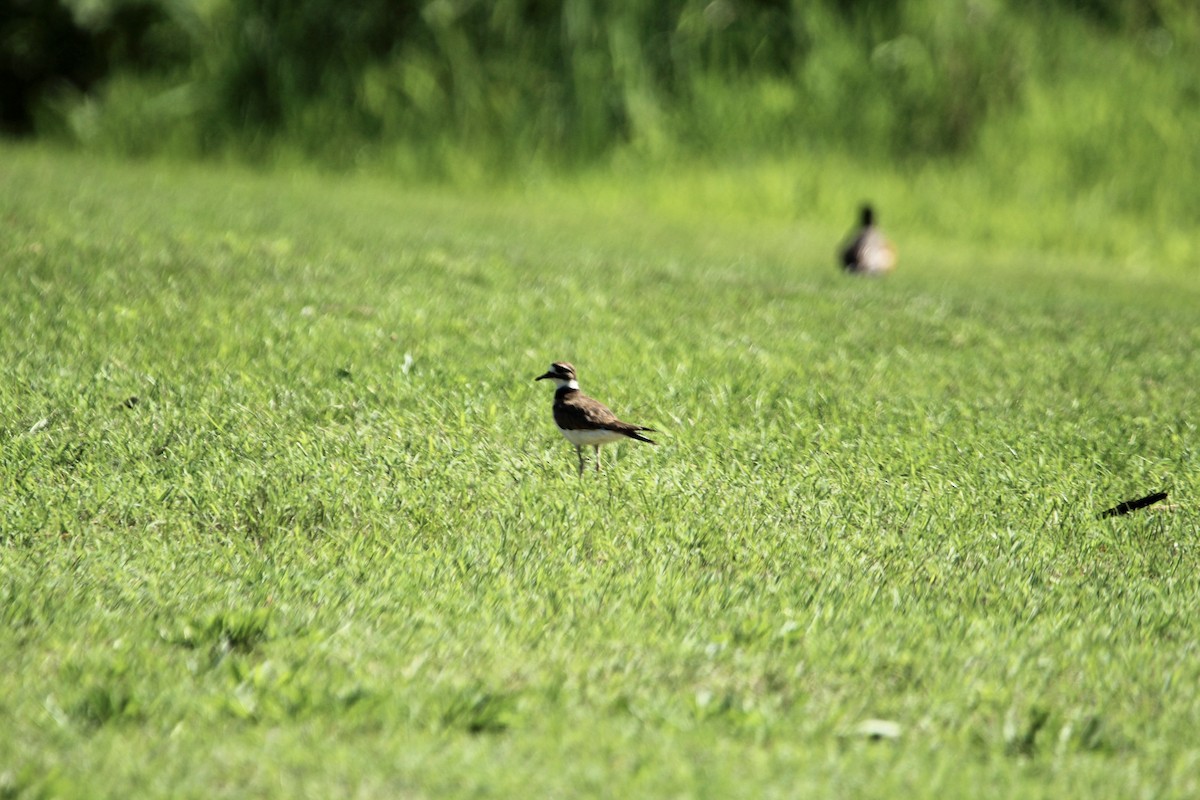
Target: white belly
588, 438
878, 257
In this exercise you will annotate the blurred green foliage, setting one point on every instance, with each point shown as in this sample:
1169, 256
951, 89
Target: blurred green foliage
446, 86
51, 50
576, 79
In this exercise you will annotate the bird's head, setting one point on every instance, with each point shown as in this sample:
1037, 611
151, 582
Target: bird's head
562, 373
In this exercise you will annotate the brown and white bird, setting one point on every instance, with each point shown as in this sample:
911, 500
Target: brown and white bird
584, 421
868, 251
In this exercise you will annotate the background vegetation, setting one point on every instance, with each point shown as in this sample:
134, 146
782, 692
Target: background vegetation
572, 81
1084, 114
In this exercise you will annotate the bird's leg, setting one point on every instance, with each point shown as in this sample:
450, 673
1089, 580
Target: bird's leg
579, 452
597, 459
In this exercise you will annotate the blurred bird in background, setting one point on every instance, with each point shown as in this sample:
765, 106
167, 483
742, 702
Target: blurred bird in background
868, 252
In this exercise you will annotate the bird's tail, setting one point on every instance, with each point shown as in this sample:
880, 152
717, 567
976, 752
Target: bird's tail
632, 433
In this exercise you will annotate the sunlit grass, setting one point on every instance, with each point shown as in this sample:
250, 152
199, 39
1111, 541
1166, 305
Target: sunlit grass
335, 545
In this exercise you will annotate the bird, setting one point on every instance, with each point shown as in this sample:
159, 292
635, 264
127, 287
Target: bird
868, 251
583, 420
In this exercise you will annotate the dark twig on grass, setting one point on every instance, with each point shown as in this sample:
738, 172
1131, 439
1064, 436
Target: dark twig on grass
1133, 505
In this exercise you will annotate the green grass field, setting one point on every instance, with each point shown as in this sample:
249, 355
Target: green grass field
336, 547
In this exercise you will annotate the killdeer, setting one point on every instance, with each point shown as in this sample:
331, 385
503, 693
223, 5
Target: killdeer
582, 420
868, 251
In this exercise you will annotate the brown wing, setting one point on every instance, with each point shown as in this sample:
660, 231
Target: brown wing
852, 251
578, 412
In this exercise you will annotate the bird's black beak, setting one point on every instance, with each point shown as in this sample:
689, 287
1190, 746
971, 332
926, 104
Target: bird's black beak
543, 377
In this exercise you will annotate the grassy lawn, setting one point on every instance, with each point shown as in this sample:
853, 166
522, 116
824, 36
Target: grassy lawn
285, 513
